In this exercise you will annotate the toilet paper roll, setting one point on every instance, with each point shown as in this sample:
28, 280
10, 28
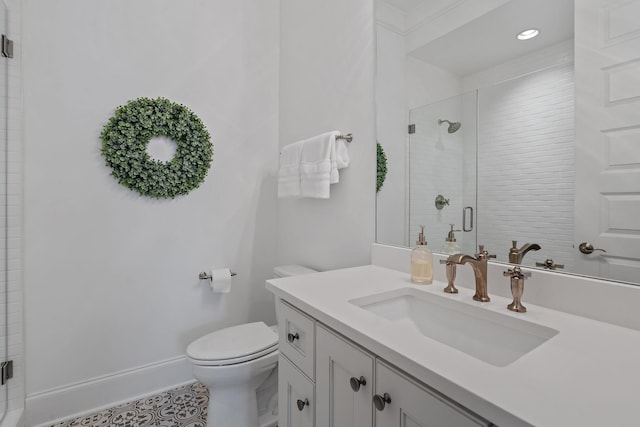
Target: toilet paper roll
221, 280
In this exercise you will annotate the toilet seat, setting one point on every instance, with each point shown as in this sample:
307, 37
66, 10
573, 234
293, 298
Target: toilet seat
233, 345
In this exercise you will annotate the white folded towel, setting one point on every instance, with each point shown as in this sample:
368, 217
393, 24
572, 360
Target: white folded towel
342, 154
289, 172
321, 158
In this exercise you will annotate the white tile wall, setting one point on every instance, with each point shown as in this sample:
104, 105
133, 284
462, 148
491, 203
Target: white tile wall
526, 135
12, 165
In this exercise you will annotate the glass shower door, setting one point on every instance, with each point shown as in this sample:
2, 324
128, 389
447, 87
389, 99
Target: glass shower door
442, 166
4, 76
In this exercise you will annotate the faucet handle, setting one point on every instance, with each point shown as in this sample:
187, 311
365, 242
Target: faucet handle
482, 253
451, 276
517, 288
549, 264
517, 273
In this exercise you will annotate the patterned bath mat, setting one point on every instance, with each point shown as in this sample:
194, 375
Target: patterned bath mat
181, 407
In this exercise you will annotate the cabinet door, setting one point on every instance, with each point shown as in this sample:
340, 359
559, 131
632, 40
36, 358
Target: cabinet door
296, 400
403, 402
338, 364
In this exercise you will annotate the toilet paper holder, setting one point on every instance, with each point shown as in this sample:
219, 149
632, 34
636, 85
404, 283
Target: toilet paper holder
204, 275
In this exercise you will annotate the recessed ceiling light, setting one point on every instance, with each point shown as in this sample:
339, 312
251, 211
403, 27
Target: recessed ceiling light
528, 34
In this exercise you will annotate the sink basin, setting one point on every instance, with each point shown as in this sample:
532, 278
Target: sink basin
486, 335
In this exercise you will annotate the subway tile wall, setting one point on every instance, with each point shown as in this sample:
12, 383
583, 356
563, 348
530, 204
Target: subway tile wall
14, 211
526, 165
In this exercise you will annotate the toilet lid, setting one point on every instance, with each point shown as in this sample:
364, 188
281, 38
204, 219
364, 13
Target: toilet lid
234, 344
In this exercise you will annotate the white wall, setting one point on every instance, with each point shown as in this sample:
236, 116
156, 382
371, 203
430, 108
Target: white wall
427, 84
110, 276
326, 83
391, 124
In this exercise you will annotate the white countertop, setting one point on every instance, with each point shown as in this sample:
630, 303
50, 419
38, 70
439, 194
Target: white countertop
587, 374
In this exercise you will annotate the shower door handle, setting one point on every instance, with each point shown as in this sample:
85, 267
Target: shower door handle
464, 219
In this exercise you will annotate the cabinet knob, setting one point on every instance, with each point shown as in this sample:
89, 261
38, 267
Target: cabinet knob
381, 401
357, 382
291, 337
302, 403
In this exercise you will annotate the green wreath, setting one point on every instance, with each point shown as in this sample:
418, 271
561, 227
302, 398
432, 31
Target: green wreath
381, 168
124, 146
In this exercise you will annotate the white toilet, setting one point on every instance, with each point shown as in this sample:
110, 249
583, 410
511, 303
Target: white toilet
233, 362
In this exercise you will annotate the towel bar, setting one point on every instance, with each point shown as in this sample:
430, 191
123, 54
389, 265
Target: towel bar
348, 137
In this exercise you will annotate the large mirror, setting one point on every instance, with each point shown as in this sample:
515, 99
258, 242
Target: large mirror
479, 130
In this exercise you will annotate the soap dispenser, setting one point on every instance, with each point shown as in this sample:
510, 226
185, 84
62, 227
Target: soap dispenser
450, 244
421, 261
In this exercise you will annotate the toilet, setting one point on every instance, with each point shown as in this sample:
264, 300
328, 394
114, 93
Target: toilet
233, 362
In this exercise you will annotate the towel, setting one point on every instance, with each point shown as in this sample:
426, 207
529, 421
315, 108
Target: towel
289, 172
321, 158
342, 154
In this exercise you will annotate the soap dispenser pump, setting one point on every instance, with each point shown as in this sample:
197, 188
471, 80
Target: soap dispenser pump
450, 244
421, 261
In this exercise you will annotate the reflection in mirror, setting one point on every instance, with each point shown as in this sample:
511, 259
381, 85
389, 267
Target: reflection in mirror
442, 162
512, 160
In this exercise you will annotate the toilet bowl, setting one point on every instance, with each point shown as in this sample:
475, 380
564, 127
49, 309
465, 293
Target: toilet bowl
233, 362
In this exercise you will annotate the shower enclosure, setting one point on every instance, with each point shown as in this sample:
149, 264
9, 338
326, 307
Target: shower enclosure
502, 160
442, 165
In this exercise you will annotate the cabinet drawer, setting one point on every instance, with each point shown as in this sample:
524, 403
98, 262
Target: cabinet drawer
296, 396
297, 338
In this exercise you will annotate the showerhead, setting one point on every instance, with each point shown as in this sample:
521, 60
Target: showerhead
453, 126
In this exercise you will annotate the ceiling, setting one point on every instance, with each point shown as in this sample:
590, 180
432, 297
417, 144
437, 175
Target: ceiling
491, 38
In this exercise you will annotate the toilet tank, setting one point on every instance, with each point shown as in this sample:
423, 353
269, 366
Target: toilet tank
291, 270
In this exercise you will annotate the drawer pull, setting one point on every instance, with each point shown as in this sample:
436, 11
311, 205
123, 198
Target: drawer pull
302, 404
357, 382
291, 337
381, 401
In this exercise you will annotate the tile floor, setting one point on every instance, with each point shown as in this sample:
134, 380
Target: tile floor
181, 407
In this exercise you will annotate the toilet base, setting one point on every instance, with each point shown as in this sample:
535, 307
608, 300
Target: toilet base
236, 407
233, 390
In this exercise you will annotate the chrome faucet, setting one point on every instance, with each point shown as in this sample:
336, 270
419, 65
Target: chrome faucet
479, 264
516, 255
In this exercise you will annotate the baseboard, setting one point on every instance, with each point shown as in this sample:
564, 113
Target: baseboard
47, 407
13, 418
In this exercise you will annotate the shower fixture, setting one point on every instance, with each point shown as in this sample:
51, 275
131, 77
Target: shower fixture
453, 126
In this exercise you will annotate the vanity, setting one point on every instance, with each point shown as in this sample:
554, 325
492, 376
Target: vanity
364, 346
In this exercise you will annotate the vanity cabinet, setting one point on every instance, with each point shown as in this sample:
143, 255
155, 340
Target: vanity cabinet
401, 401
332, 382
